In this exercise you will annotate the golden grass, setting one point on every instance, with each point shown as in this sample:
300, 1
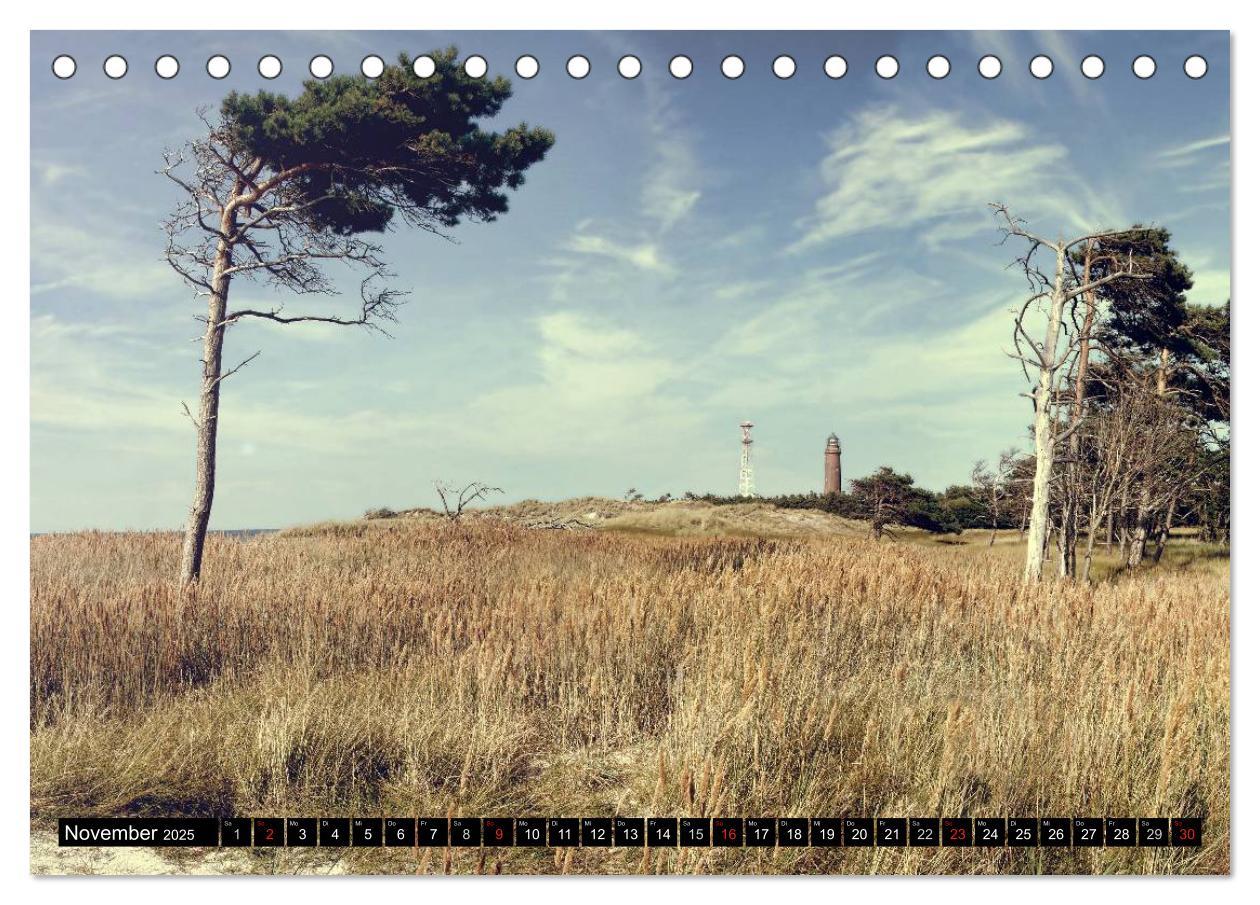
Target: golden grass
407, 668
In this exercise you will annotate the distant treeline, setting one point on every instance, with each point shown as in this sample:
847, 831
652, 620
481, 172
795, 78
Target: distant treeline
888, 498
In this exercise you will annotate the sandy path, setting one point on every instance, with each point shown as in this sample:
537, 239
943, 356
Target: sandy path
49, 859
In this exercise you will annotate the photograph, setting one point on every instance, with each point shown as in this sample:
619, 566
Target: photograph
630, 453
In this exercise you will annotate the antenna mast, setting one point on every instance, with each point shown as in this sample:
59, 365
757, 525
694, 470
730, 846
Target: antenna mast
745, 461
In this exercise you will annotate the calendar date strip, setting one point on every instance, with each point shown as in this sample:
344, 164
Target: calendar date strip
631, 832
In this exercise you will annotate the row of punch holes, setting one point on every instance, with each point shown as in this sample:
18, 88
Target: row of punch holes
629, 66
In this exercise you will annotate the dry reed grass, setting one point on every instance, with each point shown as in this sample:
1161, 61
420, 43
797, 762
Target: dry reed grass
411, 668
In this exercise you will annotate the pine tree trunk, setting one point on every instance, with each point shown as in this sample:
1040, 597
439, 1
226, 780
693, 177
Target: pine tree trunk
1137, 544
207, 421
1144, 519
1068, 541
1141, 531
1165, 529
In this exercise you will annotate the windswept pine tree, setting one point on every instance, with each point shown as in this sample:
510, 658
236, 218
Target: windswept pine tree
280, 187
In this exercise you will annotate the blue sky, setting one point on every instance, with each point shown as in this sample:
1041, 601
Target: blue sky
813, 255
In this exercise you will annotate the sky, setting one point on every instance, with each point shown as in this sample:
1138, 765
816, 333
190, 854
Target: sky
810, 254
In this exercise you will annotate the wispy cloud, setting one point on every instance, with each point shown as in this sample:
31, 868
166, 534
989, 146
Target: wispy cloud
1183, 154
97, 259
1062, 48
671, 185
668, 195
1198, 168
739, 289
584, 359
598, 387
124, 387
796, 327
100, 376
50, 173
929, 178
800, 360
594, 259
645, 255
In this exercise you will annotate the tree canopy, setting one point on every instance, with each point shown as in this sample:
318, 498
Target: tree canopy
1143, 316
889, 498
365, 150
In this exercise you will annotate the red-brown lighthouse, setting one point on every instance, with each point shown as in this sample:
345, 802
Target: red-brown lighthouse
831, 465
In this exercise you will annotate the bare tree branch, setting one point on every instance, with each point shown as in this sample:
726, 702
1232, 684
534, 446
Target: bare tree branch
456, 499
191, 417
230, 371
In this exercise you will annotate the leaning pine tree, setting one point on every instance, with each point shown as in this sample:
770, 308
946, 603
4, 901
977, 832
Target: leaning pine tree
280, 187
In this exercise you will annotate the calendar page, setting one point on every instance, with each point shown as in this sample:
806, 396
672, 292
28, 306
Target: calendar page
590, 453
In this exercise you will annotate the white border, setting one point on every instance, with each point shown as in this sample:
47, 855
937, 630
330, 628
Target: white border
641, 14
567, 15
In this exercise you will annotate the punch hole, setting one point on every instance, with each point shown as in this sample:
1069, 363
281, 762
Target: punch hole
270, 67
218, 66
321, 66
732, 66
1144, 66
526, 66
835, 66
938, 66
578, 67
629, 67
423, 67
887, 67
1041, 66
680, 66
64, 66
115, 66
1092, 66
476, 66
1195, 66
372, 66
989, 67
784, 66
166, 66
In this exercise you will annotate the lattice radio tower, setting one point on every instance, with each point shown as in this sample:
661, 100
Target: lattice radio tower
745, 461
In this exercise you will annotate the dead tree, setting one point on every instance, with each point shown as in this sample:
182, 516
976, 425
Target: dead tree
1163, 466
1109, 442
994, 486
1053, 294
456, 499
